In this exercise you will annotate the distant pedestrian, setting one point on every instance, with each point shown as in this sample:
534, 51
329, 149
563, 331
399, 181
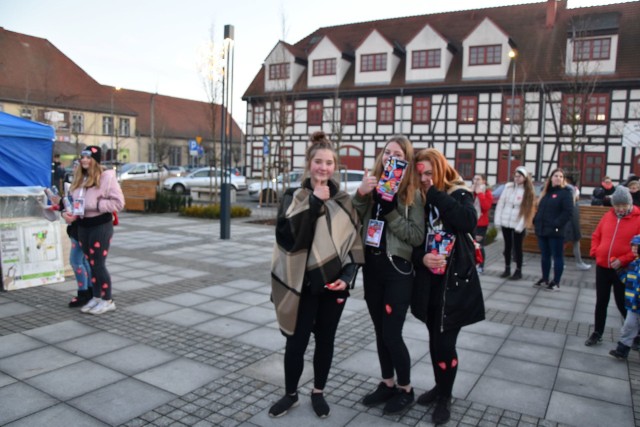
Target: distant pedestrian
631, 279
555, 208
482, 201
572, 232
317, 254
610, 247
514, 212
634, 189
602, 194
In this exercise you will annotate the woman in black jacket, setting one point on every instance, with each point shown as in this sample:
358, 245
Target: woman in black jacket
447, 293
555, 208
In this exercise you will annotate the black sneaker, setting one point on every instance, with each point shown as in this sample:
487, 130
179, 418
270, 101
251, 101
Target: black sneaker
281, 407
382, 393
594, 339
621, 352
517, 275
552, 287
399, 402
541, 282
320, 406
428, 397
442, 412
506, 273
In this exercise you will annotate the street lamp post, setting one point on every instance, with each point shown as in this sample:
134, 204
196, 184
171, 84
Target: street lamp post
512, 55
113, 124
226, 134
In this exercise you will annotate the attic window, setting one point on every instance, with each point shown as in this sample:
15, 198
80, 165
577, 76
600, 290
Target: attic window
485, 55
324, 67
279, 71
373, 62
425, 58
592, 49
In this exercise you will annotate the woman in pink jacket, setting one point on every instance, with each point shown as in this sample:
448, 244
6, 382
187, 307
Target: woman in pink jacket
96, 195
610, 247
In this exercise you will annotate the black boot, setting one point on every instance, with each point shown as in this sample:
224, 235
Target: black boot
506, 273
442, 411
82, 298
621, 352
517, 275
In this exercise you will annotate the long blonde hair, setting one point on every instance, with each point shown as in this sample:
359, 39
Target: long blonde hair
444, 177
92, 175
409, 182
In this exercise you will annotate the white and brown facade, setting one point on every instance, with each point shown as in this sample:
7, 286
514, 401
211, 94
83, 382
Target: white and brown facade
447, 81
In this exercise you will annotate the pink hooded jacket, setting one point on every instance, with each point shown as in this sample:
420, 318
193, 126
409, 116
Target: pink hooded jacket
107, 198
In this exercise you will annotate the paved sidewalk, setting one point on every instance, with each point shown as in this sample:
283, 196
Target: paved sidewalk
194, 342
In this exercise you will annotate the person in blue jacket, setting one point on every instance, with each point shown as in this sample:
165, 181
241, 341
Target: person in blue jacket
555, 208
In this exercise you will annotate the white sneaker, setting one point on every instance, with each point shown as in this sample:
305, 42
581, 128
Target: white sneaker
583, 266
103, 306
90, 305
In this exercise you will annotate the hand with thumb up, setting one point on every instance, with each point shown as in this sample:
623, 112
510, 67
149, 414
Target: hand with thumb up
368, 183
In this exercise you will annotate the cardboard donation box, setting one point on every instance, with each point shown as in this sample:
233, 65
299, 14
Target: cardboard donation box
30, 246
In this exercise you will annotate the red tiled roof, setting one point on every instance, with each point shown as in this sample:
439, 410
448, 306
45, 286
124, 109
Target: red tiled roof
540, 49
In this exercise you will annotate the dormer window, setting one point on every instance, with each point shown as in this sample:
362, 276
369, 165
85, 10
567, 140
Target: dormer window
592, 49
279, 71
425, 58
373, 62
485, 55
324, 67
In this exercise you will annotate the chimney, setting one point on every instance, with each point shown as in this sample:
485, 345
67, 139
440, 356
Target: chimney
552, 8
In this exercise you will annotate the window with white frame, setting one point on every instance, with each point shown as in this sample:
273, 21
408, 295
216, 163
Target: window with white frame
592, 49
385, 110
125, 127
485, 55
279, 71
77, 123
348, 112
107, 125
425, 58
26, 113
512, 107
467, 109
373, 62
421, 109
324, 67
258, 115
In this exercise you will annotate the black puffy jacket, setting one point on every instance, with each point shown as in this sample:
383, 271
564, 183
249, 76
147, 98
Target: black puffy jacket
554, 211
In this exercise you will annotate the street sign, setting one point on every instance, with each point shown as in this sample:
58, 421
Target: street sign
193, 147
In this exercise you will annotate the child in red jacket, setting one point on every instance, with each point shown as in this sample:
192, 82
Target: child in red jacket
610, 247
483, 199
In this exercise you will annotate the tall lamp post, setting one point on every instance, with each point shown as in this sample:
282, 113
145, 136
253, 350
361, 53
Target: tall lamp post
512, 54
226, 132
113, 123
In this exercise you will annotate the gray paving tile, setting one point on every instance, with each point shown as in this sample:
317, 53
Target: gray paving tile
246, 284
582, 411
95, 344
594, 386
490, 328
554, 313
523, 372
531, 352
17, 343
153, 308
498, 304
590, 363
188, 299
35, 362
504, 295
60, 415
364, 362
75, 380
218, 291
121, 401
134, 359
62, 331
225, 327
18, 400
221, 307
303, 415
258, 315
543, 301
267, 338
368, 420
473, 361
186, 317
503, 394
14, 309
251, 298
533, 336
271, 370
180, 376
6, 380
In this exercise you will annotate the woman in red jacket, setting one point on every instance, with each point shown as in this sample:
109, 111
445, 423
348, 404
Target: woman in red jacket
482, 201
610, 247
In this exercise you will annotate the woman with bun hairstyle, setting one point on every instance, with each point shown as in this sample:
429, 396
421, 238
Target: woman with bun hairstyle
316, 258
450, 284
96, 195
391, 229
513, 214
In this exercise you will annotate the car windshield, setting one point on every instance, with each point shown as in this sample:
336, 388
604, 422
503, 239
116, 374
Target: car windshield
126, 167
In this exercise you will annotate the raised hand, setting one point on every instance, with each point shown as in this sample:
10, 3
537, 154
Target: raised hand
368, 183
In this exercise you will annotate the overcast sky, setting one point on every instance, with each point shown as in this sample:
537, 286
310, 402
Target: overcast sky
154, 45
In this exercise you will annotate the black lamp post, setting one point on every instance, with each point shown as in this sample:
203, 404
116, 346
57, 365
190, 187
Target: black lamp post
512, 54
226, 133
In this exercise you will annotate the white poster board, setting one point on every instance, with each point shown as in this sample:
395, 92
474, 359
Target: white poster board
30, 252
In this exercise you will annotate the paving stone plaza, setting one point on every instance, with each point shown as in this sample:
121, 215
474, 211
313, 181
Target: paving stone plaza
194, 342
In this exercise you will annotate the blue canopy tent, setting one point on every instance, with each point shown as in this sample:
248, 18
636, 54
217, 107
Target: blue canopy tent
26, 150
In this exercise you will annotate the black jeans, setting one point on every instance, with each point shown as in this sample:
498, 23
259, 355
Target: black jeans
387, 292
513, 244
319, 314
606, 278
95, 241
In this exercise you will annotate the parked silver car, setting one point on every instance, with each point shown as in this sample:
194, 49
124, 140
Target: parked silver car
142, 171
202, 178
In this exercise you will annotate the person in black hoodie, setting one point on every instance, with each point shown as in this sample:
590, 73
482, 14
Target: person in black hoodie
446, 291
555, 208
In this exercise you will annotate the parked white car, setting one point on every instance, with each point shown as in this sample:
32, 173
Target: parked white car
142, 171
272, 191
202, 178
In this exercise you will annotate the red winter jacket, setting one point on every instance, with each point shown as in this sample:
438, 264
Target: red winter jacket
486, 200
612, 238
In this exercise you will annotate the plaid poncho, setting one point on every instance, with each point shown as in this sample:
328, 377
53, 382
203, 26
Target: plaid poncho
311, 247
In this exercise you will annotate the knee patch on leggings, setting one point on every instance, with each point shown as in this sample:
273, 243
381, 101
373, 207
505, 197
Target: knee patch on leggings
443, 365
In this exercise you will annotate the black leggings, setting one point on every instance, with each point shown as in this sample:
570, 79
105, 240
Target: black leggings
512, 243
388, 293
319, 314
95, 241
606, 278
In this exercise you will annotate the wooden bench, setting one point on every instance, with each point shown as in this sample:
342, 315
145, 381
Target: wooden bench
203, 194
137, 193
589, 218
